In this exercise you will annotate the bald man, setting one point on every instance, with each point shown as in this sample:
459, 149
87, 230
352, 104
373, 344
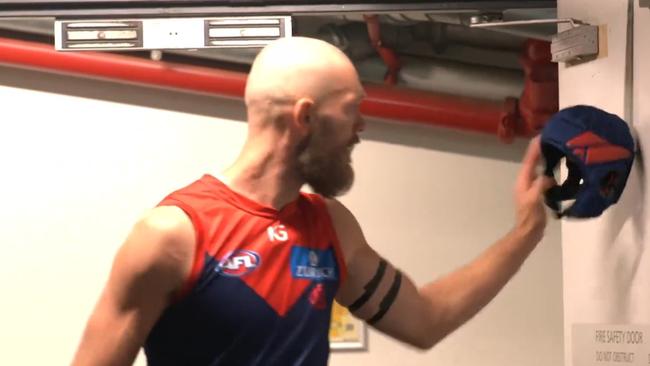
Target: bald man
242, 268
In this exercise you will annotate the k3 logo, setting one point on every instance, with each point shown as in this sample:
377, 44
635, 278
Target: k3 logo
277, 233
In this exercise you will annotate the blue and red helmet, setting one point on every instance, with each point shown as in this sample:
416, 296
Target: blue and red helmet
599, 152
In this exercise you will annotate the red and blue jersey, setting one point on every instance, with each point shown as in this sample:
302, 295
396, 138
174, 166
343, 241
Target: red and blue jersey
261, 287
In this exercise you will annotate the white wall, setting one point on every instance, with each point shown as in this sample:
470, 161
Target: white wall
606, 266
82, 159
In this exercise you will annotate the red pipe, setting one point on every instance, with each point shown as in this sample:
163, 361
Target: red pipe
389, 56
540, 98
383, 101
123, 68
434, 109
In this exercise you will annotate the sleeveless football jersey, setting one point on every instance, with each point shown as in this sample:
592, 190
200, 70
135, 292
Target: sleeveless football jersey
261, 287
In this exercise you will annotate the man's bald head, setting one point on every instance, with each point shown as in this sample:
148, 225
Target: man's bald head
303, 98
298, 67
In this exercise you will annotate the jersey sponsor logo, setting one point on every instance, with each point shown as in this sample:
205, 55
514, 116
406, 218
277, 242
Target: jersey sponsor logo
313, 264
277, 233
239, 263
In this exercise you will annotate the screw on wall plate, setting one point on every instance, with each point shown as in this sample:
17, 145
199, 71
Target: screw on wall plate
156, 55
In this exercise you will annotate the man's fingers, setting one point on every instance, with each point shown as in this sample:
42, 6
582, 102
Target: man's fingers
528, 173
543, 184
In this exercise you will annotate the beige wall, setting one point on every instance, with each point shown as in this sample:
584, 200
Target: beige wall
78, 171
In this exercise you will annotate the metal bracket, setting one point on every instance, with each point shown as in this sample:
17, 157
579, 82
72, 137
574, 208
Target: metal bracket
170, 33
574, 44
494, 20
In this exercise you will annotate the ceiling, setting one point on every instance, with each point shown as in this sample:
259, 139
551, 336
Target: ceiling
437, 49
100, 8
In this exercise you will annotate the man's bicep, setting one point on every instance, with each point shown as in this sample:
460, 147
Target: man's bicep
369, 277
387, 299
377, 292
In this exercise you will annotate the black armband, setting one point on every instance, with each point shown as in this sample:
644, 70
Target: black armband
388, 300
370, 287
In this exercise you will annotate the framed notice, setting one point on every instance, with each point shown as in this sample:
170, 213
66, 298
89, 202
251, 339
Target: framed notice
346, 331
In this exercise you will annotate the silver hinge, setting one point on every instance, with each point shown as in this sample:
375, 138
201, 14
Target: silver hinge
576, 43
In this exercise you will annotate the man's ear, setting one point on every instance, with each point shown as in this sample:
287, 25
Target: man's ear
302, 114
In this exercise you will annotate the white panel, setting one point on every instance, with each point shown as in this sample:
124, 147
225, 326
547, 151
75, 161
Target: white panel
108, 24
244, 32
99, 35
58, 40
606, 266
249, 21
173, 33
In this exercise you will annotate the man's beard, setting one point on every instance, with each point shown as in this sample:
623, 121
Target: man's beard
328, 174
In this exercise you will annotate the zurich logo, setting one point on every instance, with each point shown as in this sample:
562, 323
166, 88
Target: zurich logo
239, 263
313, 264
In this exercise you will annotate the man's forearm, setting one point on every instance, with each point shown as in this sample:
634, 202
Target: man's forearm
458, 296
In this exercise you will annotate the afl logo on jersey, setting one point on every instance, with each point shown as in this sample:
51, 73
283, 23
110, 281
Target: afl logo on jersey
239, 263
